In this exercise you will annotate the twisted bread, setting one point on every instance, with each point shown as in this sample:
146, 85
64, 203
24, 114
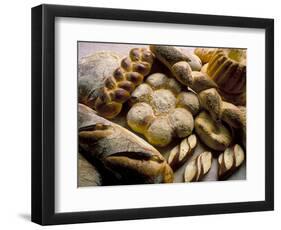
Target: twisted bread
182, 152
198, 167
126, 77
205, 87
229, 161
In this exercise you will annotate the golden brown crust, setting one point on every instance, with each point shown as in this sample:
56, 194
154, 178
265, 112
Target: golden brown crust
205, 54
214, 134
182, 152
229, 161
118, 87
126, 155
197, 168
227, 68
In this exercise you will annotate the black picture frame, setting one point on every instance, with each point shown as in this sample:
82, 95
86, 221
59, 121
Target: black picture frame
43, 110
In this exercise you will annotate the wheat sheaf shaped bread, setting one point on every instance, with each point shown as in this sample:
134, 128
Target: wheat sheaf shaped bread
161, 111
208, 93
127, 156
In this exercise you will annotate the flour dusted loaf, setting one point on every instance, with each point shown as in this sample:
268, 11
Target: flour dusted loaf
93, 70
127, 156
106, 81
88, 173
161, 110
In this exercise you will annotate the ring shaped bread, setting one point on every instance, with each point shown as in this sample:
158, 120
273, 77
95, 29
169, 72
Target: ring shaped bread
161, 110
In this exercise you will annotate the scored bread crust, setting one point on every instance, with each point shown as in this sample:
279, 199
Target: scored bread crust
130, 158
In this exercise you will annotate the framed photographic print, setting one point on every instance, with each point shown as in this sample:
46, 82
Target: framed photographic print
143, 114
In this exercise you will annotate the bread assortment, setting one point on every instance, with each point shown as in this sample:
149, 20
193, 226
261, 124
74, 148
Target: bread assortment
115, 82
169, 110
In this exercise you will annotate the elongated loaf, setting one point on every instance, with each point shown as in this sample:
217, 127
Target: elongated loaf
127, 156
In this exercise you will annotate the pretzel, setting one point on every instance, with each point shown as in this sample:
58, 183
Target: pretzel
126, 77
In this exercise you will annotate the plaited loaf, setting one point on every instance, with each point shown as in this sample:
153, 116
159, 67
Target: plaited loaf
123, 81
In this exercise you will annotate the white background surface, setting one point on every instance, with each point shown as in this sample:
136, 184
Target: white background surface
15, 115
70, 199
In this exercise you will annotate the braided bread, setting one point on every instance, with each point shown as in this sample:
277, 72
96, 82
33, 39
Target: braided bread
198, 167
125, 78
208, 95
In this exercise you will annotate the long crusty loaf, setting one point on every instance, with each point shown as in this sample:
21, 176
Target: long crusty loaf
127, 156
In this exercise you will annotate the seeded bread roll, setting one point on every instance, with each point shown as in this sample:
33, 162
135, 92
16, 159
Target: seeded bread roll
127, 156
